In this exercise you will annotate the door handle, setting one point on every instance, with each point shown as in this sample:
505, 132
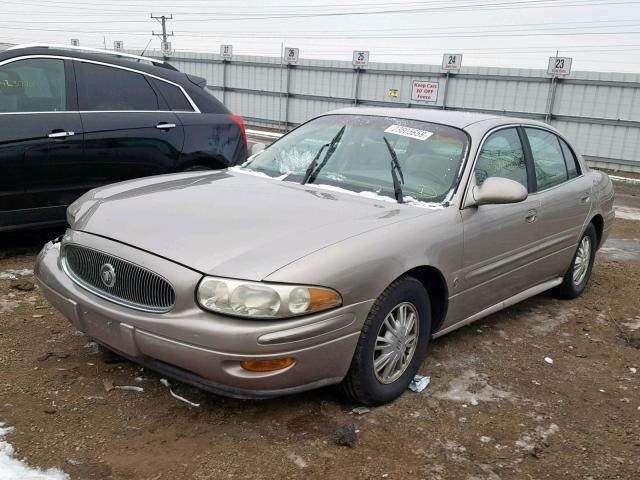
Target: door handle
532, 216
60, 134
165, 126
585, 198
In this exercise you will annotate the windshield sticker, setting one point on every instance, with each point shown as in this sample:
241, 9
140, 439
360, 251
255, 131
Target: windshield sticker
409, 132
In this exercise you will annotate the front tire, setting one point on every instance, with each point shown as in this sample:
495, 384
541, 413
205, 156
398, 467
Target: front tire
392, 345
576, 279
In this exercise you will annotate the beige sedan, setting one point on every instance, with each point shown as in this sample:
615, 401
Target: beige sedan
335, 255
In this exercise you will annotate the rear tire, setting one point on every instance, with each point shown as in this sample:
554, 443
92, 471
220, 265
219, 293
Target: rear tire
391, 347
576, 279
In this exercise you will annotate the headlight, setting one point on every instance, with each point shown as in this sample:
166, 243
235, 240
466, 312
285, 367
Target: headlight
262, 300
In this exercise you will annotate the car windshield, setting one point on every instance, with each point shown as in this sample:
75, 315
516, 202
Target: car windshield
356, 153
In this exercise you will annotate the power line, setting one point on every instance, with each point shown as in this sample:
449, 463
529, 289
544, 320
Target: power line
477, 34
496, 5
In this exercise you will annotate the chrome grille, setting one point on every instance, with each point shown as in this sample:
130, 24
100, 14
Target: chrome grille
132, 286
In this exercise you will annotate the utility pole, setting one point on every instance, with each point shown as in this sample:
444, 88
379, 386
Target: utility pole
165, 47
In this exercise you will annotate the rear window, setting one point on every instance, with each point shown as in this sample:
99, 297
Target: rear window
173, 96
112, 89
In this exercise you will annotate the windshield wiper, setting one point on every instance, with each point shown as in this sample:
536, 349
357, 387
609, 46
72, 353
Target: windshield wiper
313, 169
395, 167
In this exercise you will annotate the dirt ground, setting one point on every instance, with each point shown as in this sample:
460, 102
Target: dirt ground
495, 408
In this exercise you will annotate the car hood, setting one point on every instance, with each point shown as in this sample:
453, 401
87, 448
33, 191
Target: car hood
228, 223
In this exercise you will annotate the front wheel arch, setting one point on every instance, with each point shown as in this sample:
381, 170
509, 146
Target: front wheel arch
434, 282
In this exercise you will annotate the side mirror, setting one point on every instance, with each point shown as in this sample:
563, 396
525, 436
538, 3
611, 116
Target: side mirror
499, 190
257, 148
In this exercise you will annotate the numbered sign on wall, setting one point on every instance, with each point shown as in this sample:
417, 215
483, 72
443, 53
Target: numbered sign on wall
166, 48
291, 54
424, 91
226, 52
451, 62
559, 66
118, 45
360, 58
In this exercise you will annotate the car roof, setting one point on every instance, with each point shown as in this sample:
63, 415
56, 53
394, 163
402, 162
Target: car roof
152, 66
445, 117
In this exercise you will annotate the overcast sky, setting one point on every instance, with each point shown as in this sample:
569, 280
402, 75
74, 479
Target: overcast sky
598, 34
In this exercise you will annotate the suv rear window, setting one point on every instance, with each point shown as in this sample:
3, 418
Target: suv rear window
109, 88
173, 96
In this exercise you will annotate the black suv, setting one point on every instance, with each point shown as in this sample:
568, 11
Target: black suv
73, 119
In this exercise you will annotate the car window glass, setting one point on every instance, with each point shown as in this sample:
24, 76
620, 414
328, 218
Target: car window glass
502, 156
548, 160
33, 85
108, 88
430, 155
570, 159
173, 96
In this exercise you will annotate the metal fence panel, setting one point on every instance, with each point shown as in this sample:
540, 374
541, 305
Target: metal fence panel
598, 111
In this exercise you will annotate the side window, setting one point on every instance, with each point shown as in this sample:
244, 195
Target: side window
570, 159
502, 156
173, 96
108, 88
33, 85
548, 159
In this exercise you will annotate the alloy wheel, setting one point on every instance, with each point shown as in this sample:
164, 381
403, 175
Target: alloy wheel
396, 343
581, 263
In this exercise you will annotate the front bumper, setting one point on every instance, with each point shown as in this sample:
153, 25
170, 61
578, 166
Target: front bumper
202, 348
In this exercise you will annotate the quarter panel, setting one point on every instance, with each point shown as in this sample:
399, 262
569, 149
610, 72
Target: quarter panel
212, 137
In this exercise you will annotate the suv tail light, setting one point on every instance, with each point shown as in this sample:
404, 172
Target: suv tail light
238, 119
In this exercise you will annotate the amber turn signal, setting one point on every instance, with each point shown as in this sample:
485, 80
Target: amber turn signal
322, 299
266, 365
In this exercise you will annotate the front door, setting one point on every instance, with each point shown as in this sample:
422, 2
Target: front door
500, 241
129, 130
40, 140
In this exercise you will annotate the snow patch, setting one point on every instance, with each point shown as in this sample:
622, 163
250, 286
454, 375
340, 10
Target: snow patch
544, 323
297, 459
627, 213
472, 387
530, 442
254, 173
13, 469
11, 301
407, 199
632, 324
14, 274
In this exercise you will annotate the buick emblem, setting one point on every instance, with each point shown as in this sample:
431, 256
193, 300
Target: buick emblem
108, 275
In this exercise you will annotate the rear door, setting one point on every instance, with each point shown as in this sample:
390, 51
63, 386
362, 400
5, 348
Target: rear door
40, 140
564, 194
500, 241
129, 130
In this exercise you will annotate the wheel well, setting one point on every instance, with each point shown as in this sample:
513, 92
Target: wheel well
598, 223
436, 285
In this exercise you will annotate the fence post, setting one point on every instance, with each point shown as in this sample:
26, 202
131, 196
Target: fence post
444, 94
552, 98
356, 88
286, 99
224, 81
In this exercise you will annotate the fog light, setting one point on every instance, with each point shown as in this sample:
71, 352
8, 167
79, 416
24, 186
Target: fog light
266, 365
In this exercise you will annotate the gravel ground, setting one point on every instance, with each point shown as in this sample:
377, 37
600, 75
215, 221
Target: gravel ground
495, 408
